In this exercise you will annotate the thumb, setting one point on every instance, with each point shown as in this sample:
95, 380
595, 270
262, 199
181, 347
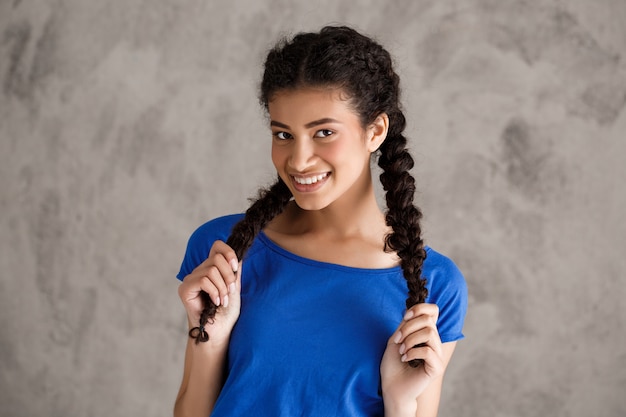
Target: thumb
235, 296
238, 277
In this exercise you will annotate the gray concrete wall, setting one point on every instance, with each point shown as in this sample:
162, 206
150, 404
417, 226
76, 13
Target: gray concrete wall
126, 124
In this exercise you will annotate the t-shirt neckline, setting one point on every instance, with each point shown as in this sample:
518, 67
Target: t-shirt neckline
263, 238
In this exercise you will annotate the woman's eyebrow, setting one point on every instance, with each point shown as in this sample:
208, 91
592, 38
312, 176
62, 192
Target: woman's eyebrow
321, 122
278, 124
308, 125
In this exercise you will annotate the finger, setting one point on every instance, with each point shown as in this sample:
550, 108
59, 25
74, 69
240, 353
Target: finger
227, 275
238, 273
424, 337
221, 248
432, 359
192, 285
235, 289
207, 285
413, 325
217, 279
422, 309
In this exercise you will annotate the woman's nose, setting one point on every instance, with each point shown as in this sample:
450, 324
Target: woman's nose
301, 155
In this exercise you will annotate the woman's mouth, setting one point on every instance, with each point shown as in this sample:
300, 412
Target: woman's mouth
310, 182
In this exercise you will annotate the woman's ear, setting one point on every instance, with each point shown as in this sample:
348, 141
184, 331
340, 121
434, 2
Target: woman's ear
377, 132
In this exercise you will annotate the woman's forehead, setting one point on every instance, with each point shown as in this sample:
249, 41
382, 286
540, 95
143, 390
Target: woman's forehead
305, 104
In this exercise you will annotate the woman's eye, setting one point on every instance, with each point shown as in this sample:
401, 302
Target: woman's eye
282, 135
324, 133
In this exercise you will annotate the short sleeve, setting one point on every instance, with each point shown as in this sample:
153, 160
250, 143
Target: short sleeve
202, 240
446, 288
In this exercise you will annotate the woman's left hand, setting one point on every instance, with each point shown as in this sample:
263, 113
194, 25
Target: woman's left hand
402, 384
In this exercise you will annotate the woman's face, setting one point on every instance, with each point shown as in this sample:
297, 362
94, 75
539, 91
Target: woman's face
319, 147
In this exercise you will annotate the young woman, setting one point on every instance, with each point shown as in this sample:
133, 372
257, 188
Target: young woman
315, 302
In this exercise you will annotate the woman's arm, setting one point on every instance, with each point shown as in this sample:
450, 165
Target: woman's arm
203, 377
411, 391
428, 402
204, 371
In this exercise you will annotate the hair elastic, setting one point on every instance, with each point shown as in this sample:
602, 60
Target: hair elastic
199, 334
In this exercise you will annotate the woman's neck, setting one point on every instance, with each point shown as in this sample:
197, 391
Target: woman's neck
347, 217
351, 237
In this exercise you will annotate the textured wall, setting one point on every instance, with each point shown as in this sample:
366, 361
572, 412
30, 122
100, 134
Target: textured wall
126, 124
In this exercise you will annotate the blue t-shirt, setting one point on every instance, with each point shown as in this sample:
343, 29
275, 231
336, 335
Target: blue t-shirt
311, 335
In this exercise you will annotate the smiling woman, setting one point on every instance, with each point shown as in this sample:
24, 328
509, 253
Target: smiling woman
322, 151
316, 302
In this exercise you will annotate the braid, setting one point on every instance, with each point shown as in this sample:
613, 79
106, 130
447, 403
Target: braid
402, 215
269, 204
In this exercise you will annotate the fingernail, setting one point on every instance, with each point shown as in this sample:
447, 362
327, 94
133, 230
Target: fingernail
231, 288
402, 349
397, 338
403, 358
408, 315
217, 301
234, 265
225, 301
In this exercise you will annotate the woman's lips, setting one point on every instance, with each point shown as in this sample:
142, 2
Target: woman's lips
308, 183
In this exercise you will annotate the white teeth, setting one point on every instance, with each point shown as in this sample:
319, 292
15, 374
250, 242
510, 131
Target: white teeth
310, 180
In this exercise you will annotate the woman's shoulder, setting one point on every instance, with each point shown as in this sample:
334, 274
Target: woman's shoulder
437, 260
202, 239
442, 273
218, 227
447, 288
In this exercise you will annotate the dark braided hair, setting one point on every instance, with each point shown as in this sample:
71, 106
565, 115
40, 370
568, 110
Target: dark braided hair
269, 204
342, 58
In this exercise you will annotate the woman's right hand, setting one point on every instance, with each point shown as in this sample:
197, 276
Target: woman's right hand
220, 277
